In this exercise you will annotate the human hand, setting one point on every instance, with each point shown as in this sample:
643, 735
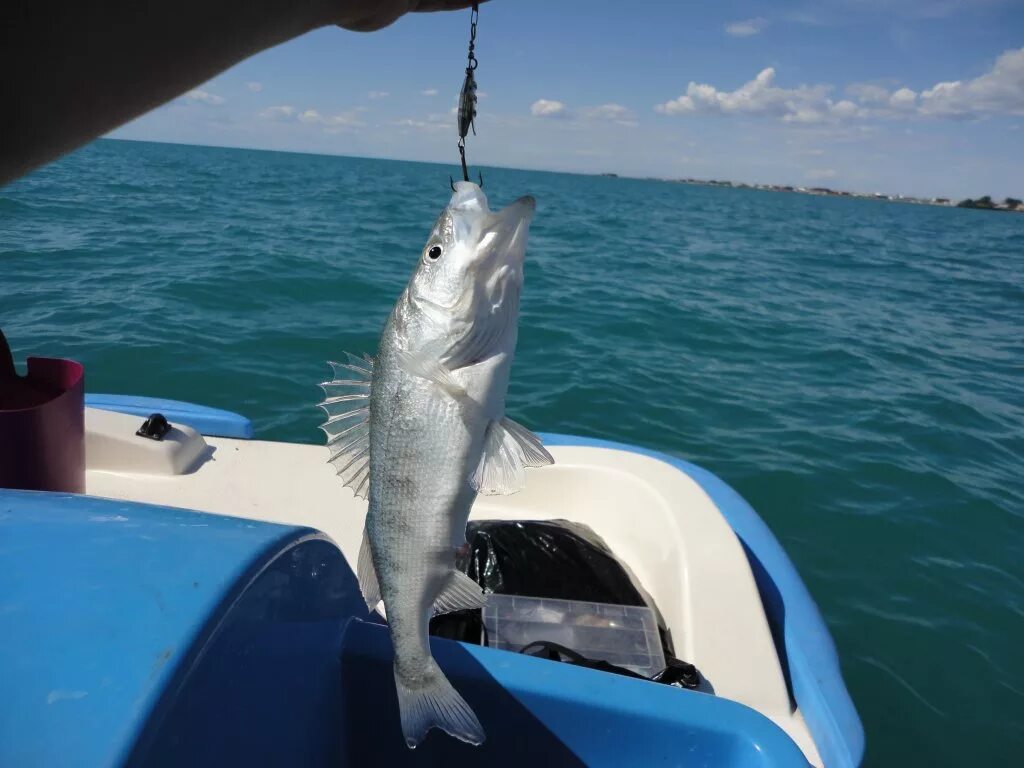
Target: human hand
371, 15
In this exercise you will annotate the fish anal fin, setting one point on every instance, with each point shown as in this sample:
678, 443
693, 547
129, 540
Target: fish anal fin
509, 448
367, 574
533, 451
459, 593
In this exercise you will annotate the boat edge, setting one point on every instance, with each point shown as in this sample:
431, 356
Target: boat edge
213, 422
808, 651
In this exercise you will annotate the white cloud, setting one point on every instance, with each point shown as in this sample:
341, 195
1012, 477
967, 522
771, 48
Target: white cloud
277, 113
613, 112
206, 97
433, 122
378, 94
310, 116
758, 97
903, 100
254, 86
548, 108
747, 27
868, 93
331, 123
845, 109
606, 113
429, 92
1000, 91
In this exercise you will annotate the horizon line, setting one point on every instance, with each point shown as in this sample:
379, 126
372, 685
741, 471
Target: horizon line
759, 186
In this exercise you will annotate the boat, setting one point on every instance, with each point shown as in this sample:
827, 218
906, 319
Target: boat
197, 606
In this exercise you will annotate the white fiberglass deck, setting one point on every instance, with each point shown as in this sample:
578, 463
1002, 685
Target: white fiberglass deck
655, 518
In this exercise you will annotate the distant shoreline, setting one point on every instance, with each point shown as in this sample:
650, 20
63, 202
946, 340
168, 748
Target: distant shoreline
1010, 205
819, 191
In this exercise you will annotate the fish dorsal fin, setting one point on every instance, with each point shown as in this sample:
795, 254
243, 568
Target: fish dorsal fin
367, 574
459, 593
347, 405
509, 448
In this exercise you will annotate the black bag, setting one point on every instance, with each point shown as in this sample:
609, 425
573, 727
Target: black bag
676, 672
556, 559
540, 558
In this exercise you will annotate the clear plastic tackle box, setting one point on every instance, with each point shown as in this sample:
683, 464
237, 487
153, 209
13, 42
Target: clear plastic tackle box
624, 635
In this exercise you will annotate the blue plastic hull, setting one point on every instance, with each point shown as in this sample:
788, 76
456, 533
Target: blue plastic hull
139, 635
208, 421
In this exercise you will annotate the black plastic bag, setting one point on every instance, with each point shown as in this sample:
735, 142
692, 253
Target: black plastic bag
676, 673
556, 559
541, 558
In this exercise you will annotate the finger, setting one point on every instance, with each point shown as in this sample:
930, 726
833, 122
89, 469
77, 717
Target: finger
370, 23
388, 12
444, 5
383, 15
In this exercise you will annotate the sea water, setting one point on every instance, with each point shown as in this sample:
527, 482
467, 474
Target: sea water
855, 368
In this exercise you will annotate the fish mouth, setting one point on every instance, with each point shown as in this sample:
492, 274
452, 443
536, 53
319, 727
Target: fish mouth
499, 236
526, 202
503, 236
469, 199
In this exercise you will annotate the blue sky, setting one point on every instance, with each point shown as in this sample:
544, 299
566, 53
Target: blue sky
902, 96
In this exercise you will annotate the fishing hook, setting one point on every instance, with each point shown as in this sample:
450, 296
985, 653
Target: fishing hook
479, 176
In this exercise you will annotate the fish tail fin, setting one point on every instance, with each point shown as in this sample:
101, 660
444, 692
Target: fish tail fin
432, 702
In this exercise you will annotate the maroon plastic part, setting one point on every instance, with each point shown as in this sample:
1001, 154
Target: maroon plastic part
42, 425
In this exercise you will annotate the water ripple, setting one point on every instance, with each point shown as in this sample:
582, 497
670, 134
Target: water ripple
853, 367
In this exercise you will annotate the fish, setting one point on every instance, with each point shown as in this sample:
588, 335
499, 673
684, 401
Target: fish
420, 430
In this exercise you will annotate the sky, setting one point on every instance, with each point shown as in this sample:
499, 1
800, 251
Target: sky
915, 97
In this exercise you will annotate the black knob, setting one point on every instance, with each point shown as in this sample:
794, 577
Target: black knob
155, 427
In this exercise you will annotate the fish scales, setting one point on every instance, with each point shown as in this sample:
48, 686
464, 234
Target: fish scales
437, 435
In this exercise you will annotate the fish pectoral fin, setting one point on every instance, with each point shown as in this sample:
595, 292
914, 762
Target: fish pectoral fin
426, 366
459, 593
346, 403
509, 448
367, 574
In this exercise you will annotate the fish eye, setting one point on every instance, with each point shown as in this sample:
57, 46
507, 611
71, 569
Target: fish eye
434, 252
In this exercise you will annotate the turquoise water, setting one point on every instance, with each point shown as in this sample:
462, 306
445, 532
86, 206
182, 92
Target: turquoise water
854, 368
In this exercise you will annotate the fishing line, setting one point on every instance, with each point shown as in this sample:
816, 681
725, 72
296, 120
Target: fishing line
467, 99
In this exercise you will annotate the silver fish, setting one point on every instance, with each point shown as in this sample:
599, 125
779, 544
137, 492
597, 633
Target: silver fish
421, 430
